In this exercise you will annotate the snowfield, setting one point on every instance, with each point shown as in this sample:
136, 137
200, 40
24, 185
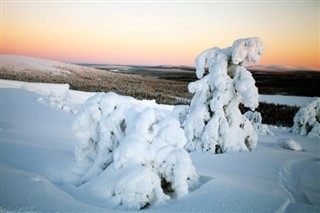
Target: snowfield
39, 169
299, 101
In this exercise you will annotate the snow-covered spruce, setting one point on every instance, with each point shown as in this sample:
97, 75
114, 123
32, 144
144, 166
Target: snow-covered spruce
134, 151
215, 123
307, 119
256, 120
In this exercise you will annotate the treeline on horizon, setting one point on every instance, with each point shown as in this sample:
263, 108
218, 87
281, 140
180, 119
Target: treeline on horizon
280, 82
171, 87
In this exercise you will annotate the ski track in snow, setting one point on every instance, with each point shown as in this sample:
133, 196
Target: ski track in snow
287, 183
290, 176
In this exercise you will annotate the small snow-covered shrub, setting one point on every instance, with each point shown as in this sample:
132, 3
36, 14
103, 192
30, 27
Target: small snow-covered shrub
307, 119
138, 146
58, 102
290, 144
256, 121
215, 118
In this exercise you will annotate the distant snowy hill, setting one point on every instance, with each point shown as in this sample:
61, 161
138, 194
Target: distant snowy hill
24, 63
280, 68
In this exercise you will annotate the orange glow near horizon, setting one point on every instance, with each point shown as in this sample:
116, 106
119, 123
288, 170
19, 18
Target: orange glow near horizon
160, 33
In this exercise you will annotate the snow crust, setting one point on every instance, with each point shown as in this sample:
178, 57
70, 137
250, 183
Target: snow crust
39, 171
307, 119
215, 120
138, 148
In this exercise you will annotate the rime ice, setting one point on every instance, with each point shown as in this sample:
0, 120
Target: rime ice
215, 118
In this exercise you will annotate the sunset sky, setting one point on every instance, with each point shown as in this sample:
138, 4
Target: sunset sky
159, 33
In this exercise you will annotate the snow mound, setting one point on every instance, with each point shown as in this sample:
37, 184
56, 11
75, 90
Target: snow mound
256, 120
57, 96
307, 119
289, 144
132, 150
215, 123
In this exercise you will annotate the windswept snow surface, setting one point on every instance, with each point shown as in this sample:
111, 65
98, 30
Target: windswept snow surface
38, 166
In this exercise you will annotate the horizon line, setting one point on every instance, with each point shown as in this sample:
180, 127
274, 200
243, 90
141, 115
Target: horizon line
263, 67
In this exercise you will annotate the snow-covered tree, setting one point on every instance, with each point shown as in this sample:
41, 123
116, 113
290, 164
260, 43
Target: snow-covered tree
215, 121
307, 119
256, 120
132, 151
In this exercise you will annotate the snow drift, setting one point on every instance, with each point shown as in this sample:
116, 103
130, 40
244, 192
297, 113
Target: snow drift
307, 119
215, 123
135, 149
